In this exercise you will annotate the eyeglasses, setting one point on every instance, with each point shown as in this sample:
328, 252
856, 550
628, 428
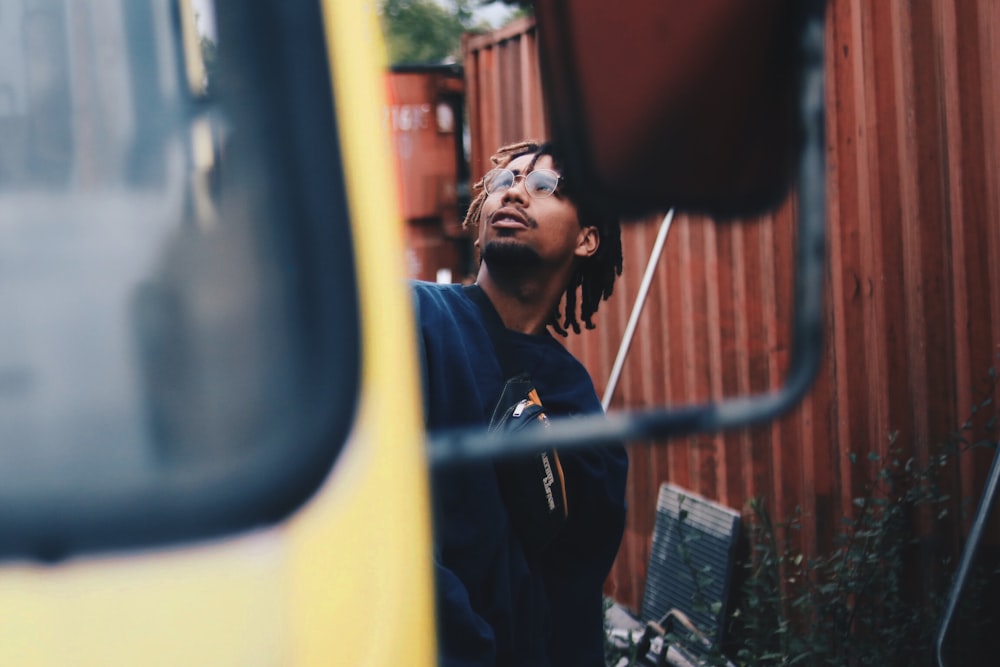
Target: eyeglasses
538, 183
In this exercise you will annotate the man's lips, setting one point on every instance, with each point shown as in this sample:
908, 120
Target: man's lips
510, 218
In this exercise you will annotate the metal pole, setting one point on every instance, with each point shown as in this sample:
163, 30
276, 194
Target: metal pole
640, 302
968, 555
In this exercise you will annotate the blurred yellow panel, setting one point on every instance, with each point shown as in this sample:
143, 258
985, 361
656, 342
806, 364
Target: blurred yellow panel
346, 580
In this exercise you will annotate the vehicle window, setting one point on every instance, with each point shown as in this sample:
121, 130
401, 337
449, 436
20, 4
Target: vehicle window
178, 338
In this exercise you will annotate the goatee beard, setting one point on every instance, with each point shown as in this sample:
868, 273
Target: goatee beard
505, 256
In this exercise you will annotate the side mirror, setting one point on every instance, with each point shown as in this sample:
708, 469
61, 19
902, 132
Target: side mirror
709, 107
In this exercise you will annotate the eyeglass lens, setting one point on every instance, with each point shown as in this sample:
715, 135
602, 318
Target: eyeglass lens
538, 183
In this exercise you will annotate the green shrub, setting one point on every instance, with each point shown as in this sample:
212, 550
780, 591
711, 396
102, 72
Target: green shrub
875, 597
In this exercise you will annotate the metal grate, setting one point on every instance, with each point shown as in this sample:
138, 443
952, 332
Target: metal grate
691, 563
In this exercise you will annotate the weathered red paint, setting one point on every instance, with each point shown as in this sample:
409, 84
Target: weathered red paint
913, 278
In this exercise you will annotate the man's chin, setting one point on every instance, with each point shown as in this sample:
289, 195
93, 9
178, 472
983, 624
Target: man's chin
509, 253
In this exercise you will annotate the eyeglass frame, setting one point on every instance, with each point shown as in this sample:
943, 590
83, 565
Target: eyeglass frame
524, 177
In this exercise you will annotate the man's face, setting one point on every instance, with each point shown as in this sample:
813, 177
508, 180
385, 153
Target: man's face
517, 228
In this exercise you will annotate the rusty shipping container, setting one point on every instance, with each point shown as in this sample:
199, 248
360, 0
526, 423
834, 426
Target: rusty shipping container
912, 302
425, 119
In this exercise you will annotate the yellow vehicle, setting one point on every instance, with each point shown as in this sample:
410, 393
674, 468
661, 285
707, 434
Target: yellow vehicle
211, 443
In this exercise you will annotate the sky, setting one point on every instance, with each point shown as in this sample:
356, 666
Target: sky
206, 17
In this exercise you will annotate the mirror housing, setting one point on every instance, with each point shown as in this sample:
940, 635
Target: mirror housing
663, 104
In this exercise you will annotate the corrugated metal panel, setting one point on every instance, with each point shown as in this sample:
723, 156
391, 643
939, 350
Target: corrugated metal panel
502, 84
913, 281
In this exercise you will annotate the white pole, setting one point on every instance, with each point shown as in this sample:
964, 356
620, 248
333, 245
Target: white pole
640, 302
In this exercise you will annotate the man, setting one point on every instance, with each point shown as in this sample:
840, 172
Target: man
501, 601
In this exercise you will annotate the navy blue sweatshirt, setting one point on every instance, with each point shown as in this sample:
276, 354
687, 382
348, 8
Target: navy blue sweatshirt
498, 604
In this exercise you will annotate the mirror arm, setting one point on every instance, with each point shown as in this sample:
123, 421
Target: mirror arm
807, 326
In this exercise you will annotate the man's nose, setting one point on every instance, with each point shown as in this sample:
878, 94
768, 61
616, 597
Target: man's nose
518, 190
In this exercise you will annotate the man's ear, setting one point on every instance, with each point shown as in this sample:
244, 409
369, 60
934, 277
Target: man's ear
587, 241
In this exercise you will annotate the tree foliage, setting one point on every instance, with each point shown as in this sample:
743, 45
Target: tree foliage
424, 31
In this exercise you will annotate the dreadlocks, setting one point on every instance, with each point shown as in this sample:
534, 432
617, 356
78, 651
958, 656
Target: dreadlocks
595, 278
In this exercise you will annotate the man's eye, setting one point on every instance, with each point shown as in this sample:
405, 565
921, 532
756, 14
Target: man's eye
498, 180
544, 186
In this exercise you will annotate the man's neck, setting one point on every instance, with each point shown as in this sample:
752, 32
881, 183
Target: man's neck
524, 305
